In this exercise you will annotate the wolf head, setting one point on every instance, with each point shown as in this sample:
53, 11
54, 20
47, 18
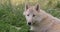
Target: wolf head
32, 13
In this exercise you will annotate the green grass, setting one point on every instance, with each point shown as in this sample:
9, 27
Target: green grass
12, 19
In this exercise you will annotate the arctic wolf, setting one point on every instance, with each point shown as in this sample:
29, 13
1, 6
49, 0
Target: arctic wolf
39, 20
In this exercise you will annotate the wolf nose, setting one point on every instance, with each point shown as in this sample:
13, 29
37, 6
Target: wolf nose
29, 23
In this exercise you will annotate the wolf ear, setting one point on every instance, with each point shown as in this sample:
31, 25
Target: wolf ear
27, 6
37, 7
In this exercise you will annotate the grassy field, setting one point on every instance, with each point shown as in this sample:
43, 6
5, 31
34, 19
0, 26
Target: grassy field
11, 14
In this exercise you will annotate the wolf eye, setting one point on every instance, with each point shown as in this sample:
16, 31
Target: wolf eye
28, 15
33, 15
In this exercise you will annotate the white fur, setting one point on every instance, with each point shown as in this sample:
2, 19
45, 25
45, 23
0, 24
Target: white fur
44, 22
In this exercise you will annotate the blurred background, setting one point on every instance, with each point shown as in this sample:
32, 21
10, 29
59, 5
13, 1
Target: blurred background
11, 13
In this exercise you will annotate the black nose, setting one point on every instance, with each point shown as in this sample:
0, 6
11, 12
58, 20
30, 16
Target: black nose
29, 23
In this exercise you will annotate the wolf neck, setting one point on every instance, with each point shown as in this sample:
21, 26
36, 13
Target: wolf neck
45, 18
